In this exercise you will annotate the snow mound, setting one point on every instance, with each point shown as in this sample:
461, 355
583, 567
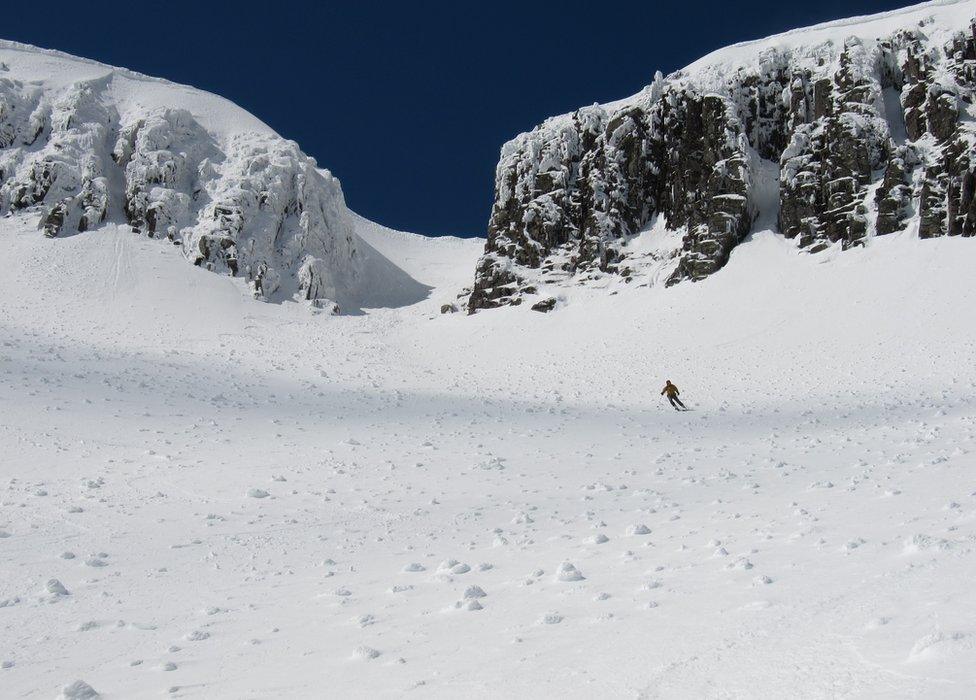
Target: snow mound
79, 690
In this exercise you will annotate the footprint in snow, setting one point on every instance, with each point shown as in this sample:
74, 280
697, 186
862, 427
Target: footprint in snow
940, 644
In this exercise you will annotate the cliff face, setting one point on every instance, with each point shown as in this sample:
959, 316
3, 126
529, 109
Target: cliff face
85, 144
830, 135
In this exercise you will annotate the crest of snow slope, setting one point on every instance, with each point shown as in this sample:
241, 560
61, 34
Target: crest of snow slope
946, 16
88, 143
830, 135
950, 15
810, 522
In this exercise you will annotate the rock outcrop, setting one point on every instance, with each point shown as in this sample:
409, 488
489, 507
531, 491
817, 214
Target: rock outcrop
236, 197
831, 136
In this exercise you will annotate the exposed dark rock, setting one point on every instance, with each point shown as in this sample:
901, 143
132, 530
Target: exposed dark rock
709, 161
545, 305
894, 196
52, 222
825, 170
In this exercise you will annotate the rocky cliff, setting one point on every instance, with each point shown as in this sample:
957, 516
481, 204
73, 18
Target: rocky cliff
82, 144
830, 135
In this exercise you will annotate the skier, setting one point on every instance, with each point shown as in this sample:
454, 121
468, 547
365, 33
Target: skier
672, 391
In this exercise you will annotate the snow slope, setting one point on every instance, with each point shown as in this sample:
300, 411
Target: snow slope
245, 500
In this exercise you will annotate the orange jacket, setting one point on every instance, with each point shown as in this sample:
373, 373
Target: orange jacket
670, 389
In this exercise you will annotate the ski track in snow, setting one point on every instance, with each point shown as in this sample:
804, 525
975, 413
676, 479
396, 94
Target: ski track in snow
241, 499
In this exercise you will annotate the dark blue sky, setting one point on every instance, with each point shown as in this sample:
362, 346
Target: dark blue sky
408, 103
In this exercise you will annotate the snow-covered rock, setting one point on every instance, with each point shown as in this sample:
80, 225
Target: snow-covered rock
83, 143
830, 135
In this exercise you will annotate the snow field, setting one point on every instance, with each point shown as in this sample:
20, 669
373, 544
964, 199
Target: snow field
492, 505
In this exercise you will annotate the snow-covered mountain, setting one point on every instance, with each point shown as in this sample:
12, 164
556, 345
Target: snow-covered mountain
830, 135
207, 496
87, 143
